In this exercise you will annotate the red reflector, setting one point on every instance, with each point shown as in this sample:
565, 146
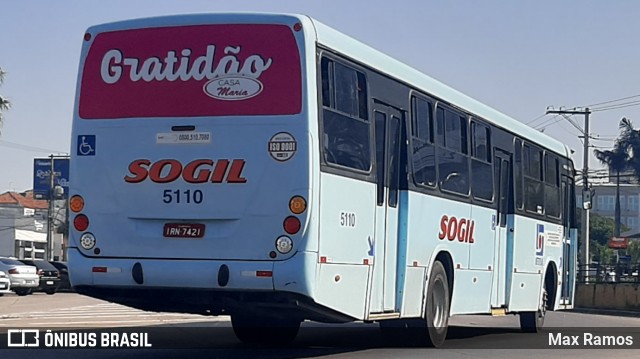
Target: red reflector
264, 273
291, 225
99, 270
365, 261
323, 259
415, 263
81, 222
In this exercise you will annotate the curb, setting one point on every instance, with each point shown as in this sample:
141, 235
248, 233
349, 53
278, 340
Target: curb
611, 312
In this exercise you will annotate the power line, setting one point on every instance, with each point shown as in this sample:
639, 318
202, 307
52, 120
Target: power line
19, 146
617, 106
618, 100
536, 119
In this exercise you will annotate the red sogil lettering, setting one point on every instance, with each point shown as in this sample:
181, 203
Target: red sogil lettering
196, 171
453, 228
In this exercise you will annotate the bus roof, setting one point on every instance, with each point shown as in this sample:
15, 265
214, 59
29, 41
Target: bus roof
367, 55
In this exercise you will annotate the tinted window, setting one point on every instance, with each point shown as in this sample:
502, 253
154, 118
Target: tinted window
345, 116
424, 155
518, 174
452, 130
481, 149
552, 182
453, 164
481, 171
533, 185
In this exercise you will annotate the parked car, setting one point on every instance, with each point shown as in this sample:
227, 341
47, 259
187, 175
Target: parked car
24, 278
49, 275
5, 283
64, 284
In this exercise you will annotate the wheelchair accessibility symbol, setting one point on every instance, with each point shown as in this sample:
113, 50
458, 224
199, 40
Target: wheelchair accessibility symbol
86, 145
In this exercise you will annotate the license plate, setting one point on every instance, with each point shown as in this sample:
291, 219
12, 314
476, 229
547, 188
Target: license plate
49, 282
183, 230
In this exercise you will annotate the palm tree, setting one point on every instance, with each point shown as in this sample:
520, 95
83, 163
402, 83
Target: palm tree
4, 103
618, 160
630, 140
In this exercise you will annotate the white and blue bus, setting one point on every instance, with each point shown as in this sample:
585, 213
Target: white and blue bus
270, 168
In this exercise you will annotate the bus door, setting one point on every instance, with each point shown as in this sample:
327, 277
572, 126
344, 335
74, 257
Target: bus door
503, 225
385, 245
569, 241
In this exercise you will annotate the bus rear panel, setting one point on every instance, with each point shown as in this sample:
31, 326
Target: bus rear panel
191, 161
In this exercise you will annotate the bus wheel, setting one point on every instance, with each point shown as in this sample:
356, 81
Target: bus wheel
437, 306
532, 322
264, 330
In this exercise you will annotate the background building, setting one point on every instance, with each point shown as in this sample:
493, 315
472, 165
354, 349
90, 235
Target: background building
23, 226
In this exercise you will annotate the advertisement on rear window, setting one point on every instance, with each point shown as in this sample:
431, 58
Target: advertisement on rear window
204, 70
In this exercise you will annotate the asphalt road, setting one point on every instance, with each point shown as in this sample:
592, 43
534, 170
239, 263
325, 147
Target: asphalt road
169, 334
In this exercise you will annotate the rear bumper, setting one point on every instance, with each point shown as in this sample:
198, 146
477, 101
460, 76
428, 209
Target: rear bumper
48, 283
24, 282
203, 286
5, 285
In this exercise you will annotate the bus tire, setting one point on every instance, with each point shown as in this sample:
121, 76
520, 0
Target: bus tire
253, 329
532, 322
437, 306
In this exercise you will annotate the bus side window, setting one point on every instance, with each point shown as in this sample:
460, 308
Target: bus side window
345, 116
481, 169
552, 196
518, 173
424, 153
453, 163
533, 185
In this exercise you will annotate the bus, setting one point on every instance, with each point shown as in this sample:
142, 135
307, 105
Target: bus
273, 169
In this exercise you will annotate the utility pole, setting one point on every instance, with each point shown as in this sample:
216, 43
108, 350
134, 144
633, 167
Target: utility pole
52, 182
586, 192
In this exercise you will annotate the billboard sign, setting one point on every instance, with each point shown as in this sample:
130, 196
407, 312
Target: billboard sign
42, 179
618, 242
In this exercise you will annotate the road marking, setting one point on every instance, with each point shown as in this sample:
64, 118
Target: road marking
106, 313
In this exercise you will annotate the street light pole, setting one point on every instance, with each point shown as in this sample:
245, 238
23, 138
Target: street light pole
52, 182
586, 192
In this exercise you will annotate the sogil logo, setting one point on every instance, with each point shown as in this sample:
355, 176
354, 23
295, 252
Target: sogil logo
229, 78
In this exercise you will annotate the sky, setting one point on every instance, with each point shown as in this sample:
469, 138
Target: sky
519, 57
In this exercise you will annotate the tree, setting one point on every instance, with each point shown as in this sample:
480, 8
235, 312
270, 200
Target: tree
601, 229
4, 103
630, 140
617, 160
634, 250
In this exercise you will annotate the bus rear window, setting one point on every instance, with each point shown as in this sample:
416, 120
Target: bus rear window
204, 70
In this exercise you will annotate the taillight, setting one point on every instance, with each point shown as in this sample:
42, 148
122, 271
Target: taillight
14, 271
40, 272
291, 225
81, 222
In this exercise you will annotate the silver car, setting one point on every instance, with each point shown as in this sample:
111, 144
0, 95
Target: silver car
5, 283
24, 278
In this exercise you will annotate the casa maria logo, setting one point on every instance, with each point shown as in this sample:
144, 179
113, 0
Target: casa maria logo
229, 78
